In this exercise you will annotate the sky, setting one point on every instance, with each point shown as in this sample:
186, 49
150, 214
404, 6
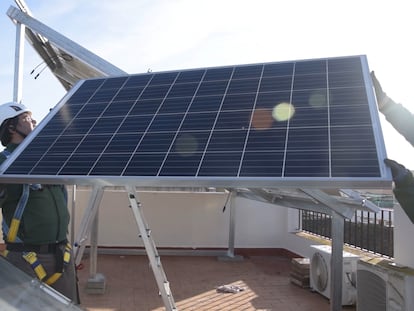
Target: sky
138, 35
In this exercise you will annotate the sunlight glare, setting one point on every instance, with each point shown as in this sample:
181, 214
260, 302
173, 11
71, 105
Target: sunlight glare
186, 145
318, 99
262, 119
283, 112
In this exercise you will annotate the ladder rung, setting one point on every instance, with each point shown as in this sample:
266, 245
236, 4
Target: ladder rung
167, 288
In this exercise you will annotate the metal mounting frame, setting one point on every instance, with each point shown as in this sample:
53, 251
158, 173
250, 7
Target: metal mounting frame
317, 200
68, 61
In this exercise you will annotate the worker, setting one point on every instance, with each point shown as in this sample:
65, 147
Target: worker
35, 216
403, 121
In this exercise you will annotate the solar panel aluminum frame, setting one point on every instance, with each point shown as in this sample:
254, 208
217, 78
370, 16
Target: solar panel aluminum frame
384, 181
19, 291
67, 60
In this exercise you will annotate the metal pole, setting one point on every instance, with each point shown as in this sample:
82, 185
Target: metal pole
338, 213
86, 223
23, 7
18, 63
337, 261
93, 259
232, 226
73, 215
89, 226
232, 230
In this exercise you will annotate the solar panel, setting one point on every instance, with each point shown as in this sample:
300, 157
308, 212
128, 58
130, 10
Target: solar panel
19, 291
304, 122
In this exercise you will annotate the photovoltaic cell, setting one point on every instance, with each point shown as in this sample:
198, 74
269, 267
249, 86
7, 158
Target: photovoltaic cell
299, 119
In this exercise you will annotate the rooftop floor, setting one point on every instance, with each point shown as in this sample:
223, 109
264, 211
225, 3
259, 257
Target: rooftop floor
130, 285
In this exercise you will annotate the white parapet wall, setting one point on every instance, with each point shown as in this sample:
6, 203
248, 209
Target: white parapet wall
182, 219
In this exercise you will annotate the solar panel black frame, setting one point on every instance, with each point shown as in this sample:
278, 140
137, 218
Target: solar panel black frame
215, 127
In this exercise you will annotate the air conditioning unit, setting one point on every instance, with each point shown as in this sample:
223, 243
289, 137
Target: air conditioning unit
320, 273
384, 288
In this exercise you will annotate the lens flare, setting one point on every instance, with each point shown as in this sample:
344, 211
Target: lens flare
283, 112
262, 119
66, 115
186, 145
318, 100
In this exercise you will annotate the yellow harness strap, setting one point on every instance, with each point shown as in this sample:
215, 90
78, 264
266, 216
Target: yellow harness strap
66, 259
53, 278
11, 235
14, 227
31, 258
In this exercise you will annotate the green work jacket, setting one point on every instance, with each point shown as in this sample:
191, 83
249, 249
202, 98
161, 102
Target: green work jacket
46, 217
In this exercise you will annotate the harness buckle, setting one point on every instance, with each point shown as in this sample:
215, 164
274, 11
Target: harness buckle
37, 267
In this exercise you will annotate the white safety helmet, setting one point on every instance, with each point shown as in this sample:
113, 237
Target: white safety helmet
9, 111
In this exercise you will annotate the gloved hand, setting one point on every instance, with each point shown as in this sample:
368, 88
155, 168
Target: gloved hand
398, 171
382, 98
403, 187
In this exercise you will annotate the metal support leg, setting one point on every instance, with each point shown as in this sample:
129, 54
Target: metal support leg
73, 215
86, 223
232, 227
93, 254
89, 226
96, 282
338, 213
337, 261
152, 253
232, 231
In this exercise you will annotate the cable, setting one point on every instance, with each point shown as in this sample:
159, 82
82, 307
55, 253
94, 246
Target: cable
46, 63
227, 201
36, 76
31, 72
350, 279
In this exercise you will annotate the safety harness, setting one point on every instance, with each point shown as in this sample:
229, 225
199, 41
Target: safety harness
62, 255
31, 258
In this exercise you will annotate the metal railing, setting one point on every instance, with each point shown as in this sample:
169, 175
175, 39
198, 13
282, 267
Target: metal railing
368, 231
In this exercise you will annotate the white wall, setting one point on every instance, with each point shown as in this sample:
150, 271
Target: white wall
259, 225
403, 238
294, 242
186, 220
